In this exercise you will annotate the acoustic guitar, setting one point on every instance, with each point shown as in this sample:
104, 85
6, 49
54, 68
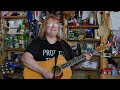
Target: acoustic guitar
63, 70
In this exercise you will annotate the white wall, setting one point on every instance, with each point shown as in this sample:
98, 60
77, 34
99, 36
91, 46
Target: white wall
115, 22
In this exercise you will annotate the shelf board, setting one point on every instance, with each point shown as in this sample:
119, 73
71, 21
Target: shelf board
116, 56
109, 76
19, 63
86, 69
86, 39
78, 27
13, 74
14, 17
15, 49
7, 28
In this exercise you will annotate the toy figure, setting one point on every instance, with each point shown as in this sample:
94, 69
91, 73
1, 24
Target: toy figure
116, 39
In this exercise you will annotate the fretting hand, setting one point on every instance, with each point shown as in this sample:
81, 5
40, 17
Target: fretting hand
88, 56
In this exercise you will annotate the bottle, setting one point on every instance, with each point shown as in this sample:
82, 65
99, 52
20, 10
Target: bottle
11, 41
23, 25
60, 30
110, 36
26, 39
114, 49
91, 19
71, 35
21, 42
6, 41
78, 49
114, 71
16, 41
79, 19
96, 35
111, 63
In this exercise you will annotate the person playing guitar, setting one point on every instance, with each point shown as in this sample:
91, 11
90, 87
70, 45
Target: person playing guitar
38, 58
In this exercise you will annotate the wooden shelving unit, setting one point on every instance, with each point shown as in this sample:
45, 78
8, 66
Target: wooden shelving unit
103, 61
14, 17
72, 41
115, 57
14, 50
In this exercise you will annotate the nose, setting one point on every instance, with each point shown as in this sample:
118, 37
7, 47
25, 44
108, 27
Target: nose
53, 25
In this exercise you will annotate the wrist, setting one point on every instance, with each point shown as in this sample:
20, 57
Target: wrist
91, 54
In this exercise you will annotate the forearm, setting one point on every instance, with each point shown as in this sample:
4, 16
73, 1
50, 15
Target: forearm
32, 64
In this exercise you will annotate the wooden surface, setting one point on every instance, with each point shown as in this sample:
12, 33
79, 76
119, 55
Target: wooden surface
15, 49
116, 55
87, 39
104, 39
82, 74
78, 27
109, 76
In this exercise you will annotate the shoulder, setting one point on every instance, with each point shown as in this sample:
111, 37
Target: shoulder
37, 40
65, 43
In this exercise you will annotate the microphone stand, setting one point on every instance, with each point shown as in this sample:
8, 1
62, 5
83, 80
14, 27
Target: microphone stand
56, 56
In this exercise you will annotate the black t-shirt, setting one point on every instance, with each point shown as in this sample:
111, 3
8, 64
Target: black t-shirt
42, 50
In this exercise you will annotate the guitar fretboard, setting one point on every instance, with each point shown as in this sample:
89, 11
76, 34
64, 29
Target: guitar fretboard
73, 61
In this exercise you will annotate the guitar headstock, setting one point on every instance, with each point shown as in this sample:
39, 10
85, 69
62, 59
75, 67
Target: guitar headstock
99, 49
103, 47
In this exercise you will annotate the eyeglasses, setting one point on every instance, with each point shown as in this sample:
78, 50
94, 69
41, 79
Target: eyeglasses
51, 24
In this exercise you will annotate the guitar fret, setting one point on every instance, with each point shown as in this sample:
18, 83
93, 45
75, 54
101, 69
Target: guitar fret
73, 61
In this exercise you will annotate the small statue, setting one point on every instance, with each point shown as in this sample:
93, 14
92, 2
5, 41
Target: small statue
116, 39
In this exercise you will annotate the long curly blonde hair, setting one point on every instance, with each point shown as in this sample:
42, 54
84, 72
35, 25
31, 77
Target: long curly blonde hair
42, 30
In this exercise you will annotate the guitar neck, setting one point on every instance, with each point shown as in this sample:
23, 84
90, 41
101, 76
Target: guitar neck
73, 61
82, 57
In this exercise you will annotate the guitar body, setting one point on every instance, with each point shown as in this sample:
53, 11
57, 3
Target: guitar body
65, 73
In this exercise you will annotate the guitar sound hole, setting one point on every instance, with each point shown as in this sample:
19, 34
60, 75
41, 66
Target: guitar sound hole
57, 70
